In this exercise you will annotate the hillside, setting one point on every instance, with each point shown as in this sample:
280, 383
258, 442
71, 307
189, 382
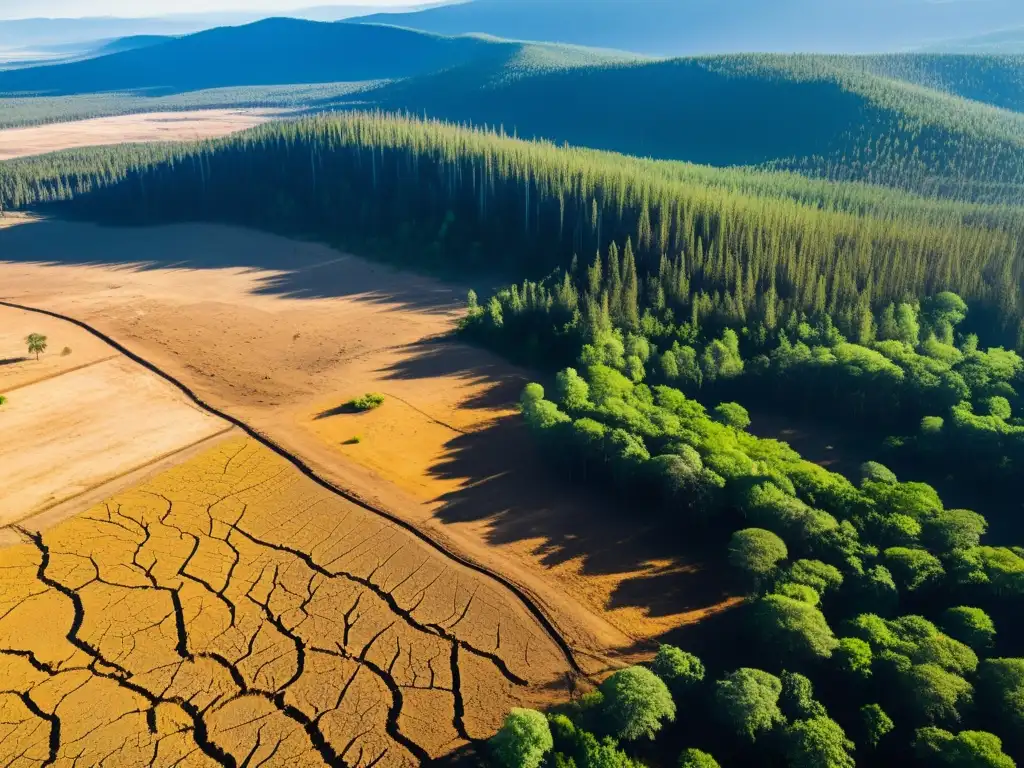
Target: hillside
48, 33
822, 116
992, 79
270, 52
668, 27
130, 43
1005, 41
931, 124
32, 24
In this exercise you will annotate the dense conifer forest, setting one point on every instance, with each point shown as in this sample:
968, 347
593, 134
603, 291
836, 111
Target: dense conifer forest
936, 125
480, 200
881, 626
839, 118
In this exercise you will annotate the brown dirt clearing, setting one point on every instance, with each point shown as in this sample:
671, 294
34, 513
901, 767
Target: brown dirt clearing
231, 606
123, 129
278, 332
75, 430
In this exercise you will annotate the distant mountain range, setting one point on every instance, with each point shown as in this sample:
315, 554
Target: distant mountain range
50, 34
1006, 41
269, 52
690, 27
928, 123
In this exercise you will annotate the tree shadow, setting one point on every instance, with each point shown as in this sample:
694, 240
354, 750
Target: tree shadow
521, 495
12, 360
338, 410
279, 266
466, 756
833, 448
496, 383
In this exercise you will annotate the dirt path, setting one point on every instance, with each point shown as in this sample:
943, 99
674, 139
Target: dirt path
280, 333
148, 127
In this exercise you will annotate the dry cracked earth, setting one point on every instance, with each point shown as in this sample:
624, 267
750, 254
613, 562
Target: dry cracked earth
230, 611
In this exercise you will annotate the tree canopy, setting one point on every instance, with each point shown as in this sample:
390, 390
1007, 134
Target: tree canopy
636, 703
747, 700
523, 740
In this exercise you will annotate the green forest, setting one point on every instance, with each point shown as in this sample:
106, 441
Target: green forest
473, 199
664, 302
839, 118
942, 126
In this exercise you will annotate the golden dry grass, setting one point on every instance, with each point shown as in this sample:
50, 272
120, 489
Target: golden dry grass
232, 611
148, 127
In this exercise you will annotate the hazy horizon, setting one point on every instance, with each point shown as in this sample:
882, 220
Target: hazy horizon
11, 10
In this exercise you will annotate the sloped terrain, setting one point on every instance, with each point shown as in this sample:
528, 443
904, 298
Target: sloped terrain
668, 28
274, 51
153, 126
997, 80
232, 612
945, 126
834, 117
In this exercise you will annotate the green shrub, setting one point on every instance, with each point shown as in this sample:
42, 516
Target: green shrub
969, 625
367, 402
873, 472
680, 670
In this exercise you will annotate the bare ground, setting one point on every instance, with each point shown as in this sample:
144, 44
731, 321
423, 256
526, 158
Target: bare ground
231, 611
74, 424
148, 127
280, 333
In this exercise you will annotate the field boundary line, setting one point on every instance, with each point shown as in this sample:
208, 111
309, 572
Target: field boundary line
519, 592
58, 374
151, 462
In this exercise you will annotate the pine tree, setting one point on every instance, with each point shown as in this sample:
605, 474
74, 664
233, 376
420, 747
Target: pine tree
630, 289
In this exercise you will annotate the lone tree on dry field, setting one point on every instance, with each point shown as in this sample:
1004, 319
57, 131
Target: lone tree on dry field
36, 344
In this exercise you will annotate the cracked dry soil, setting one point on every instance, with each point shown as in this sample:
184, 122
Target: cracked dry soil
232, 612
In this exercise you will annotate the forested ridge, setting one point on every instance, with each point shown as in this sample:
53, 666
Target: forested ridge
717, 26
880, 626
838, 118
993, 79
941, 126
478, 199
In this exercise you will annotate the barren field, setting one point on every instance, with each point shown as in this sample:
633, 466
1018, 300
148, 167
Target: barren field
282, 333
75, 422
233, 607
154, 126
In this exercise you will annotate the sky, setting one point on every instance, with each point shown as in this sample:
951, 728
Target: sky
21, 9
